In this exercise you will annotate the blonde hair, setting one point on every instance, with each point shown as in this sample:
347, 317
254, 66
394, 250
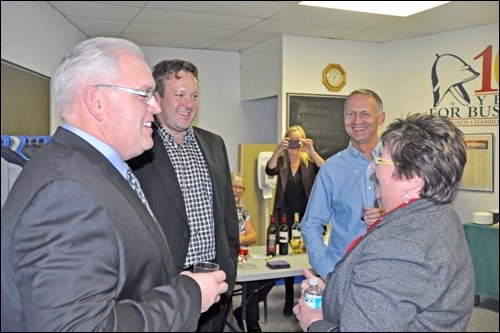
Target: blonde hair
235, 176
304, 155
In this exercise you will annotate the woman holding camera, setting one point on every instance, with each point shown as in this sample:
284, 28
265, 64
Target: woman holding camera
296, 164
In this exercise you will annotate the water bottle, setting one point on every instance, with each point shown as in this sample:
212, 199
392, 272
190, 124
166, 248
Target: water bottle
313, 296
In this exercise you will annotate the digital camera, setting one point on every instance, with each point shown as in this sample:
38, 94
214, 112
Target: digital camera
294, 144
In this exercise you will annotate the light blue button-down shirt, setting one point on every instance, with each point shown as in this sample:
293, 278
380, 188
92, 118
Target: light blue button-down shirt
110, 153
343, 186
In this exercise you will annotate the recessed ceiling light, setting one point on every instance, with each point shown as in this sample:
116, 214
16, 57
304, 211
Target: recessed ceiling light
394, 8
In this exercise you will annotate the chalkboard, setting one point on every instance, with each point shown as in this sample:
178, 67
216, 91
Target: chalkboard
322, 117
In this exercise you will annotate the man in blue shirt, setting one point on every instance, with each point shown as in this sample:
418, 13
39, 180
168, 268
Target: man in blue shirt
344, 191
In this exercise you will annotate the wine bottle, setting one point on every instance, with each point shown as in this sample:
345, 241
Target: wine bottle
271, 238
283, 233
296, 241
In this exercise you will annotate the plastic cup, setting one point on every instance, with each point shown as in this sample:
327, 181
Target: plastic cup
205, 267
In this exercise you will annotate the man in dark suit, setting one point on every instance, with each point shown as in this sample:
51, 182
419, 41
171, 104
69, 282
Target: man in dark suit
80, 249
187, 181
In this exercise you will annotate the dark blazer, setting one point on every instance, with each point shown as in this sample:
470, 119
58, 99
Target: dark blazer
308, 175
159, 183
81, 252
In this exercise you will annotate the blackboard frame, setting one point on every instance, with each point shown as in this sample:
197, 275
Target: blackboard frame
322, 117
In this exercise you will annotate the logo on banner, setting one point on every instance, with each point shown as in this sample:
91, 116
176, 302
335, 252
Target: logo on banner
453, 83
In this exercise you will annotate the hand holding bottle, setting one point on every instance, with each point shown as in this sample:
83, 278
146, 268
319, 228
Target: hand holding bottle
305, 314
305, 283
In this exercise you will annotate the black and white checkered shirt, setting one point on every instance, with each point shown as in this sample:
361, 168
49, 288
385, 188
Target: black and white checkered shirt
196, 185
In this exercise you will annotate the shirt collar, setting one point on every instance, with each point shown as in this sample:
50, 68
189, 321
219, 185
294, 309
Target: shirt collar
358, 155
166, 136
109, 152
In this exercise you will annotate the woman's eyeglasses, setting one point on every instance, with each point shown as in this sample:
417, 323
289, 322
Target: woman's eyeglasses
380, 160
377, 160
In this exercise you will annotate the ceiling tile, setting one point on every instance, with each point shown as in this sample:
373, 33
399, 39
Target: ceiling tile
189, 43
96, 10
238, 25
195, 19
179, 31
262, 9
104, 25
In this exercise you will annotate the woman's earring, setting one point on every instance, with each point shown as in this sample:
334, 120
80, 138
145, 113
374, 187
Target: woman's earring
406, 199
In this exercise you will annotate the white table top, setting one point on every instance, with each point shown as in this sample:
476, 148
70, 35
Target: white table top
255, 267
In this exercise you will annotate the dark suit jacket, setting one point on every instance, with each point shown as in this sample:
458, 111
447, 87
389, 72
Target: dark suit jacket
81, 252
159, 182
308, 175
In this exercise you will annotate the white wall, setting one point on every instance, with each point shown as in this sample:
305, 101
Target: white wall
261, 70
36, 37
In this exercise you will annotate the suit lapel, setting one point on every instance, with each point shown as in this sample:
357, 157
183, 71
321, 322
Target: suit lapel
207, 152
211, 160
153, 227
166, 174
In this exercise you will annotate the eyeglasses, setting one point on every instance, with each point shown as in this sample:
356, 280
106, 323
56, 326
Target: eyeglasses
146, 94
379, 160
236, 187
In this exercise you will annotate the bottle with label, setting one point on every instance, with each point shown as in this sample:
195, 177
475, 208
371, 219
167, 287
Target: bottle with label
313, 296
296, 241
271, 238
283, 233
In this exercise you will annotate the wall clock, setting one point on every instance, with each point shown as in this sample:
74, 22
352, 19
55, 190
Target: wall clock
334, 77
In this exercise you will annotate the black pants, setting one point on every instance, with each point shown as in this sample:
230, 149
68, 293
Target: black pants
253, 298
213, 319
289, 290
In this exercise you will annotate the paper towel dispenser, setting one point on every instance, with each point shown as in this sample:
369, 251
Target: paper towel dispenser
266, 183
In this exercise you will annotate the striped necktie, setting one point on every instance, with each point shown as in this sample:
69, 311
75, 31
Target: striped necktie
134, 183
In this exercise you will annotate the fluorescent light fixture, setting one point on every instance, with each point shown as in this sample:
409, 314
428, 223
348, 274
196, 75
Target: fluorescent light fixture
394, 8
